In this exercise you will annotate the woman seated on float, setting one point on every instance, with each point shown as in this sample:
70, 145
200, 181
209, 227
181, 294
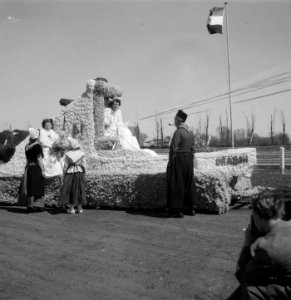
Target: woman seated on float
116, 129
53, 165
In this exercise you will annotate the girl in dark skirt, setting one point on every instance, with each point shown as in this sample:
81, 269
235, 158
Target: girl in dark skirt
32, 185
73, 190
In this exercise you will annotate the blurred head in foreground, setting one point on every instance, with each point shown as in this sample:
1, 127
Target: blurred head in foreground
268, 209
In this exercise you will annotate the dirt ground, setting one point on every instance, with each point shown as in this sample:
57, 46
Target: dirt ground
106, 254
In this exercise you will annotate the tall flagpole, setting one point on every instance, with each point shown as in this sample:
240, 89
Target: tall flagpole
229, 83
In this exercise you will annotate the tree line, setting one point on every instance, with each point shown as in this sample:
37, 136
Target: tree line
243, 137
246, 136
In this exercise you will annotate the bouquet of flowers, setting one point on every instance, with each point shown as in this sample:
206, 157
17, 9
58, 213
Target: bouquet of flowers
59, 147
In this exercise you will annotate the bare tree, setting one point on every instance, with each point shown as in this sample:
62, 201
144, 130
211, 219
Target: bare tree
283, 120
250, 128
207, 128
137, 133
272, 125
200, 125
221, 132
162, 133
158, 131
240, 136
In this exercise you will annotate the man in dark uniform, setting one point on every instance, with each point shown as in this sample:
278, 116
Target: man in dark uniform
180, 177
264, 265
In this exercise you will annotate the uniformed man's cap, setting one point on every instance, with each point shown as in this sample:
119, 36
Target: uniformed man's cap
180, 114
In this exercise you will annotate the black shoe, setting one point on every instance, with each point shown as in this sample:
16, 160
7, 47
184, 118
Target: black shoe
38, 209
189, 212
176, 214
29, 210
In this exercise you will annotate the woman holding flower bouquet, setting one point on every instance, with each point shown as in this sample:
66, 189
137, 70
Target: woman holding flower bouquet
53, 165
73, 190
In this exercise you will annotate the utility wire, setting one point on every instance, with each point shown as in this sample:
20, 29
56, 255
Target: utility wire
256, 86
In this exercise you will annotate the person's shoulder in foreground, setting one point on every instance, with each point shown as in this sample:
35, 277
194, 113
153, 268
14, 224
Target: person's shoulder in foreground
264, 265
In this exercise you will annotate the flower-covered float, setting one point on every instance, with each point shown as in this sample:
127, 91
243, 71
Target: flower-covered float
129, 178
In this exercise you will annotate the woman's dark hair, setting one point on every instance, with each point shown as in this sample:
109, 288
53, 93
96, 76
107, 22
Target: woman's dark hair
47, 121
269, 205
115, 100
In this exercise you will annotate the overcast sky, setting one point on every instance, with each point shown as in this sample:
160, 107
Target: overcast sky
159, 52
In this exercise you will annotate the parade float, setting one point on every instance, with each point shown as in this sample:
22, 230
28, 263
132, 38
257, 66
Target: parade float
130, 179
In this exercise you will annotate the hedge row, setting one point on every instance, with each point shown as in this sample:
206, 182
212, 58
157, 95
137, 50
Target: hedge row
130, 191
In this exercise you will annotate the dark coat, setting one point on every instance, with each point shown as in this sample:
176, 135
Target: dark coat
32, 183
180, 189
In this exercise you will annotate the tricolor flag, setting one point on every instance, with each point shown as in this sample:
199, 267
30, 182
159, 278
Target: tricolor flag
215, 20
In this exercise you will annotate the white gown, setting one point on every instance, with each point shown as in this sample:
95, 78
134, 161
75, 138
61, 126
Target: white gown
52, 165
115, 128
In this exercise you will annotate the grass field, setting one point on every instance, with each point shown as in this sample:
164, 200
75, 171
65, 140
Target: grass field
105, 254
271, 176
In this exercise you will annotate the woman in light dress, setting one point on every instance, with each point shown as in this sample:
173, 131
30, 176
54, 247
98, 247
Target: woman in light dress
52, 164
115, 128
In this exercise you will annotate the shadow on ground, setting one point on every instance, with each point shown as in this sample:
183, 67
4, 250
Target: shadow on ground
16, 210
153, 214
56, 211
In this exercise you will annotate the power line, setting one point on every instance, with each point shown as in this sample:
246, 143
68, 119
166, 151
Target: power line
256, 86
266, 95
251, 88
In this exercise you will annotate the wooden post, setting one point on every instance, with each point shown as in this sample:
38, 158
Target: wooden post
282, 160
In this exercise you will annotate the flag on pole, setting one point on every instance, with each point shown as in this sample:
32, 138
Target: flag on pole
215, 20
